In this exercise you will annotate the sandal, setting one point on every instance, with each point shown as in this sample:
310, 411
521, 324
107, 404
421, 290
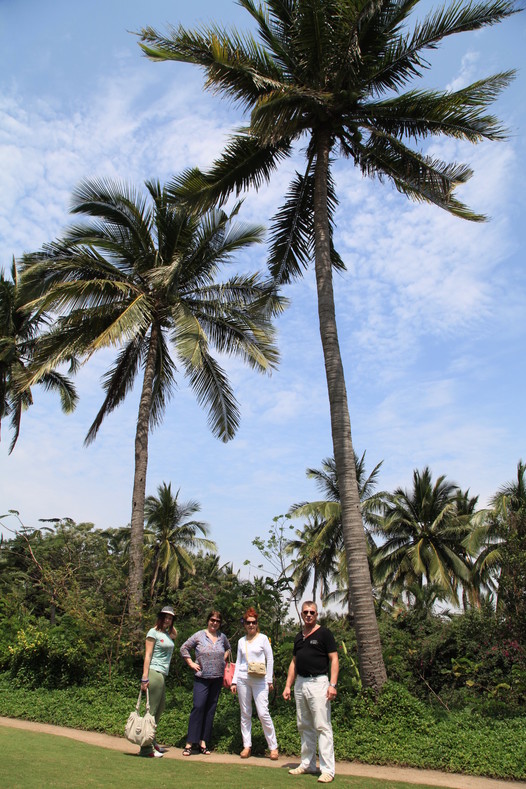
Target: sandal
187, 751
204, 750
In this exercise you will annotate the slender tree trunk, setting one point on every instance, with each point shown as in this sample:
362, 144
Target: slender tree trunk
136, 576
370, 660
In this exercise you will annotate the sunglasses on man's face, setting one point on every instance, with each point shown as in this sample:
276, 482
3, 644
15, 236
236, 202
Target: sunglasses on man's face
309, 613
214, 620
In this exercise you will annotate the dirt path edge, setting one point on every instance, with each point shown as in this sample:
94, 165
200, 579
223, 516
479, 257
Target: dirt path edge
407, 774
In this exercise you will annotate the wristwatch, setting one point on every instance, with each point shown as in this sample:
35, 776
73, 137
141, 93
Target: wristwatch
332, 684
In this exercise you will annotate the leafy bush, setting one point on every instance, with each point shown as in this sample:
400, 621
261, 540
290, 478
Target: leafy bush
48, 658
396, 728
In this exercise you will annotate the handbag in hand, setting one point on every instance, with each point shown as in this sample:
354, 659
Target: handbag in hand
141, 730
228, 674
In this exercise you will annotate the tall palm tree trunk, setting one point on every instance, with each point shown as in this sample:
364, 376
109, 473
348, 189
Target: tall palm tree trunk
136, 576
371, 665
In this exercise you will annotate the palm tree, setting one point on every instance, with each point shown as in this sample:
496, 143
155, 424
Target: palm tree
330, 74
423, 533
172, 538
19, 331
509, 523
140, 274
314, 557
495, 543
327, 539
329, 509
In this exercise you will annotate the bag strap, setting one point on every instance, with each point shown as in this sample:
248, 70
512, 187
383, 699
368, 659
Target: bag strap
246, 645
138, 705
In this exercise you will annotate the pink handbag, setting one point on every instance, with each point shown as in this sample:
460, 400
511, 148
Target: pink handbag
228, 674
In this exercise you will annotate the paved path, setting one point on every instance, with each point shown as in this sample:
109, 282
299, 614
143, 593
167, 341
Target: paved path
407, 774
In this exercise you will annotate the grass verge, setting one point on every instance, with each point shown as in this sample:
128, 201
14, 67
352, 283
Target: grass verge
43, 761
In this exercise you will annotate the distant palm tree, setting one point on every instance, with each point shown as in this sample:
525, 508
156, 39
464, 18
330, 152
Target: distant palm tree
171, 538
494, 542
323, 535
140, 274
313, 558
331, 75
329, 509
509, 505
19, 332
423, 535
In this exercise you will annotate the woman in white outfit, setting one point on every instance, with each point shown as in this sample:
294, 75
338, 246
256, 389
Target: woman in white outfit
253, 649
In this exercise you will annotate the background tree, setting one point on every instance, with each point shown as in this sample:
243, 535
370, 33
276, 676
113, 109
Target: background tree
314, 558
331, 75
172, 539
140, 274
422, 533
19, 332
326, 540
510, 513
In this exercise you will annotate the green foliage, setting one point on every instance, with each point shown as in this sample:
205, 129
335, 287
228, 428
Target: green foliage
48, 658
396, 728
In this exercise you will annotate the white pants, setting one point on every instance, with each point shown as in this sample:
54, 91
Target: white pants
313, 711
246, 689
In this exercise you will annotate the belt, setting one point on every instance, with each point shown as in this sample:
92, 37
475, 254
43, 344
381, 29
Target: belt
311, 676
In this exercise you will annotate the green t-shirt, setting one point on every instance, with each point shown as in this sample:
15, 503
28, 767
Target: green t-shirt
162, 650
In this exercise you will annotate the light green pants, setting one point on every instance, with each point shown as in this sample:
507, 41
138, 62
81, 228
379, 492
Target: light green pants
156, 691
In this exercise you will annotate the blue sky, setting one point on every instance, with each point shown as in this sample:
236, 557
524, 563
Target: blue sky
430, 311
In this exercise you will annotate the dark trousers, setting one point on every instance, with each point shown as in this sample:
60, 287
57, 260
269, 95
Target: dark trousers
206, 695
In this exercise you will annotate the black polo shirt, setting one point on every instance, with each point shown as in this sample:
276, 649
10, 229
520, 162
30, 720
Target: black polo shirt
312, 652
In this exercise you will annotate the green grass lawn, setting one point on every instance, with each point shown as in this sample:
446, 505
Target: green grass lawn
43, 761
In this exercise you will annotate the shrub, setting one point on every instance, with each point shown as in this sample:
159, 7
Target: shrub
47, 658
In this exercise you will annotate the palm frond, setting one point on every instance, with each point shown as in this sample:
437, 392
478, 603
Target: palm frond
213, 391
402, 59
243, 164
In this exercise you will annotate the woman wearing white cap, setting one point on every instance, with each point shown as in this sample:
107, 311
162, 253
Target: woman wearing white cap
157, 656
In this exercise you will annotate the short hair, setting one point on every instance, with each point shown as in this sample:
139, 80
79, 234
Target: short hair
309, 603
253, 613
215, 614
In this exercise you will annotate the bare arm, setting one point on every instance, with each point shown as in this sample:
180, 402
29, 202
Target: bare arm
148, 652
291, 676
334, 668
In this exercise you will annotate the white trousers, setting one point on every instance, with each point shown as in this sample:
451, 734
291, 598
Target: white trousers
257, 688
313, 711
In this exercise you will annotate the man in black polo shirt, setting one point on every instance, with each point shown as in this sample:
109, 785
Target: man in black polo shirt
314, 672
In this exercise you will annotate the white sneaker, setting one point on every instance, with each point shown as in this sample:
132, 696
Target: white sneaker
158, 754
325, 778
300, 771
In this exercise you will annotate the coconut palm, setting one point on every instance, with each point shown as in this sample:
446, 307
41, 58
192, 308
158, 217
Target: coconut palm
331, 75
313, 558
326, 540
172, 538
329, 509
19, 331
423, 537
494, 542
482, 552
139, 273
509, 523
